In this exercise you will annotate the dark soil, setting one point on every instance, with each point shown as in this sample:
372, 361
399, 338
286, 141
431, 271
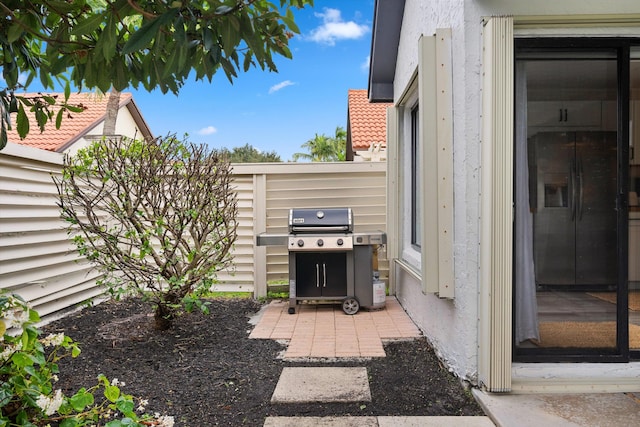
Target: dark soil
205, 371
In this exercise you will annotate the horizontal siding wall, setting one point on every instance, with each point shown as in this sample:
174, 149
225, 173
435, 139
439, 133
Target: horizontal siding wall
360, 186
38, 262
240, 277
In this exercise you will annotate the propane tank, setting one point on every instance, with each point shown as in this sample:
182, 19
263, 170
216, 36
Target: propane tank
379, 292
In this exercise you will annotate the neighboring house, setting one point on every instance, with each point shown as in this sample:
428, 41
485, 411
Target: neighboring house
79, 129
513, 219
366, 128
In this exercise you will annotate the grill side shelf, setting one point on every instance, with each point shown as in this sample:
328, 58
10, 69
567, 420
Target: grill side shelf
370, 238
264, 239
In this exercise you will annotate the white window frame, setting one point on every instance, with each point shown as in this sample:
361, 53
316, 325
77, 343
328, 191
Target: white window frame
410, 254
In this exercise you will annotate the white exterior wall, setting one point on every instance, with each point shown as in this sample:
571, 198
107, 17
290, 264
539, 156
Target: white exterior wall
125, 125
451, 325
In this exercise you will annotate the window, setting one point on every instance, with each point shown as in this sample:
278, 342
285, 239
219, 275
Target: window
410, 214
416, 179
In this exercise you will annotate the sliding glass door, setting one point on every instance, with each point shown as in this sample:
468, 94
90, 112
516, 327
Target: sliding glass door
634, 203
572, 175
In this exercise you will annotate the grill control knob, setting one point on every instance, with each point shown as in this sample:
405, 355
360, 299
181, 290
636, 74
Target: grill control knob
340, 242
320, 242
300, 242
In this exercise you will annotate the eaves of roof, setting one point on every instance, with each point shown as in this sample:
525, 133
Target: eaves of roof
385, 37
76, 125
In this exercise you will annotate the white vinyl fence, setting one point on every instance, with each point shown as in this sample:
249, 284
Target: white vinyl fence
38, 262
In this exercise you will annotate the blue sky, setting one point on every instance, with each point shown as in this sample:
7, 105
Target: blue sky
277, 111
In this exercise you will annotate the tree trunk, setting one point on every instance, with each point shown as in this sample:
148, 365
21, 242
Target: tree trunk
163, 317
111, 114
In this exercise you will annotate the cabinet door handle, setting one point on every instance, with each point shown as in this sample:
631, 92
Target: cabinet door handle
317, 275
324, 275
564, 115
580, 188
572, 189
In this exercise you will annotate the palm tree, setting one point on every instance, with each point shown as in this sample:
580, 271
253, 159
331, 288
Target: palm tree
322, 148
340, 140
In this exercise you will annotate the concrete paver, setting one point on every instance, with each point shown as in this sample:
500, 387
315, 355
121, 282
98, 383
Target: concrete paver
325, 331
378, 422
322, 384
434, 422
321, 422
561, 410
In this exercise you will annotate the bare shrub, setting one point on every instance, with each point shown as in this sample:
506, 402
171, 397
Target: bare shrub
156, 218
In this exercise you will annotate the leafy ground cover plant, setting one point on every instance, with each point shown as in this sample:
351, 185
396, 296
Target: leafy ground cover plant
157, 218
28, 372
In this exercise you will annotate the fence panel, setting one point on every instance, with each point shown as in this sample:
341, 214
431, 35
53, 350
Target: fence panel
38, 261
360, 186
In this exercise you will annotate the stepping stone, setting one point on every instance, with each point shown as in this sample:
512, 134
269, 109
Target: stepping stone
435, 422
321, 422
322, 384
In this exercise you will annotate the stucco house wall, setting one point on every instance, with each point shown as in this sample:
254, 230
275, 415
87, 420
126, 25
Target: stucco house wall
125, 125
449, 324
452, 325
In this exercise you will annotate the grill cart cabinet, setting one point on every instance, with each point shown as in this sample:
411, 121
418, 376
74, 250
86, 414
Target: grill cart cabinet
320, 274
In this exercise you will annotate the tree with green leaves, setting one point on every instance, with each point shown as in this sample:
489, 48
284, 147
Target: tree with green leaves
249, 154
107, 44
323, 148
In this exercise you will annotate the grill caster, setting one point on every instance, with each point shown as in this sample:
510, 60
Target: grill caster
291, 310
350, 305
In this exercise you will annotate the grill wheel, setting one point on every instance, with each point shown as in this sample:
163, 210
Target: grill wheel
350, 305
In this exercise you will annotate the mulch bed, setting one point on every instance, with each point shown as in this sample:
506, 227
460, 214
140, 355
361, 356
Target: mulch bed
205, 371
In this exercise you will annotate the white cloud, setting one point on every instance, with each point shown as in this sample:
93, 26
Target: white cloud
22, 79
280, 85
209, 130
335, 28
365, 64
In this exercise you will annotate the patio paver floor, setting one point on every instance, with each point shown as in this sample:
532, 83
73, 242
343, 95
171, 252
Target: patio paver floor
325, 331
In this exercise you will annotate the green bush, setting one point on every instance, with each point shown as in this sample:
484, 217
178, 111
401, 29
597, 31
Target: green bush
29, 370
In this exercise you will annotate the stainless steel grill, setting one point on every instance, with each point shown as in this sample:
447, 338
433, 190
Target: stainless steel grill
328, 261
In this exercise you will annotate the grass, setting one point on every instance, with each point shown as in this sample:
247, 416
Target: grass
278, 282
277, 295
276, 289
221, 294
273, 294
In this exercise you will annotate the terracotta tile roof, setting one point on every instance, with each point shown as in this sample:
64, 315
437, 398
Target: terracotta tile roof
367, 122
73, 127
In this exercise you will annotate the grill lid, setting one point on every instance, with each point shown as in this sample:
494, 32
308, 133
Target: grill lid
320, 220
